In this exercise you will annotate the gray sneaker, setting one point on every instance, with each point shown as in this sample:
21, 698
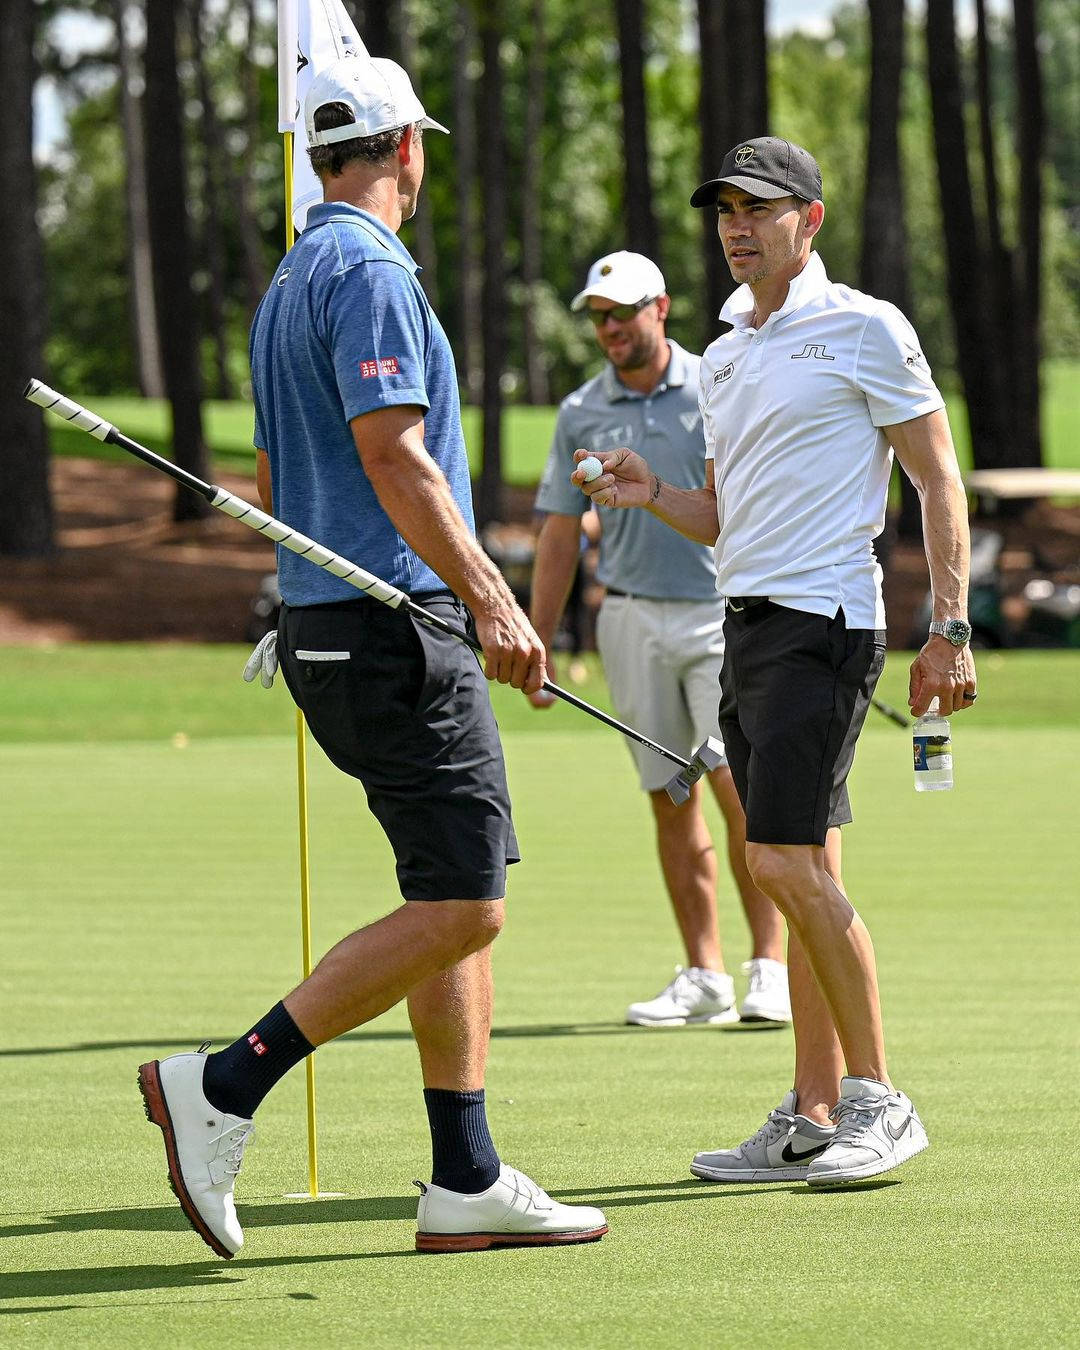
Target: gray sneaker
781, 1150
876, 1130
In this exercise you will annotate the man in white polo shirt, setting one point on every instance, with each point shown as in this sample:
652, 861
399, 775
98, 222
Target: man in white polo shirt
804, 400
660, 629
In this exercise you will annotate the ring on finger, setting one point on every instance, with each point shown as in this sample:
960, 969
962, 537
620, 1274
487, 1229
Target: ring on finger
970, 695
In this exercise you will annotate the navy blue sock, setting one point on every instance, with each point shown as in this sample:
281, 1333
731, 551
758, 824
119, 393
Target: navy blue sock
237, 1078
463, 1158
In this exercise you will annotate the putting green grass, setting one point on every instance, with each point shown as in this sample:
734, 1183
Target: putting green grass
526, 430
151, 901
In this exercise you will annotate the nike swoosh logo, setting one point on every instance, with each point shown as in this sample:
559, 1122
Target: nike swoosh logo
789, 1155
898, 1134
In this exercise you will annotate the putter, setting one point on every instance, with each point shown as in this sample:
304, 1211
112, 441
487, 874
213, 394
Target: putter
332, 562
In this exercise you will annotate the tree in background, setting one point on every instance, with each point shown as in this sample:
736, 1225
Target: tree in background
733, 106
492, 133
166, 185
140, 271
26, 527
465, 215
1030, 151
532, 209
883, 270
642, 235
211, 166
967, 273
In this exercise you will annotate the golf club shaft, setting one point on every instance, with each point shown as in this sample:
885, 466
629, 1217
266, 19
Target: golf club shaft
316, 553
888, 711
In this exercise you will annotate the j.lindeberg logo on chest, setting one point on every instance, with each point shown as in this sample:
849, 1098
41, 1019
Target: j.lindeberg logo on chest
813, 351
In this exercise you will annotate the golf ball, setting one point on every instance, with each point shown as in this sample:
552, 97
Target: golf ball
592, 467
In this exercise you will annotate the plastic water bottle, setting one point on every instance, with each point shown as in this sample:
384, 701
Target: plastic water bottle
932, 745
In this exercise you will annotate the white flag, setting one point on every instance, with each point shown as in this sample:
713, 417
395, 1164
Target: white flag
312, 34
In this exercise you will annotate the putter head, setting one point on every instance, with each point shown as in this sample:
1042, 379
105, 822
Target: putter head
705, 758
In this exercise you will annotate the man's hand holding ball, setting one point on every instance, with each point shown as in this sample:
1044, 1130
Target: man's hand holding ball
617, 478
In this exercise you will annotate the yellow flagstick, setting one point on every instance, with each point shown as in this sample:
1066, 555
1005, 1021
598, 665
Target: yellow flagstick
302, 794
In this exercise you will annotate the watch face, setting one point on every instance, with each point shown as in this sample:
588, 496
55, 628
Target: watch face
957, 632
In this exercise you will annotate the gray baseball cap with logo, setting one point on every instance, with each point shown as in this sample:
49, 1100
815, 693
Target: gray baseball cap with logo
765, 167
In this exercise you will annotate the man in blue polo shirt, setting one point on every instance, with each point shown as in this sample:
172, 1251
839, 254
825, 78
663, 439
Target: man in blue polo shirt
358, 433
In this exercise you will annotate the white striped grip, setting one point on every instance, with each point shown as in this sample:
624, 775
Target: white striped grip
69, 410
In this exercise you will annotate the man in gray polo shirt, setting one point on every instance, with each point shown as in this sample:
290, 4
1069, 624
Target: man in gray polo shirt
660, 629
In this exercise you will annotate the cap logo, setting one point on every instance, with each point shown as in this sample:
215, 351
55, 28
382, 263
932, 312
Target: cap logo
744, 155
605, 270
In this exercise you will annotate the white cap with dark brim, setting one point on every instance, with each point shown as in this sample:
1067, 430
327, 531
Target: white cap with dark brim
377, 91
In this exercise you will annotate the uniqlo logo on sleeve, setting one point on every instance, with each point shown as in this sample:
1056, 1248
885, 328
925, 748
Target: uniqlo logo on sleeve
256, 1044
386, 365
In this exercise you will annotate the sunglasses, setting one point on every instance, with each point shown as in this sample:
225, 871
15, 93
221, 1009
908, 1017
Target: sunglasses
620, 313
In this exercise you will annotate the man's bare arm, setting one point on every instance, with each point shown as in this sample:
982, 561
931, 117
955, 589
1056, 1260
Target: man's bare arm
558, 551
628, 481
925, 450
264, 482
414, 493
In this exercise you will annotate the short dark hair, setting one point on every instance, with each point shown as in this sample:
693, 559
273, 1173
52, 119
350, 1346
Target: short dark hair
330, 160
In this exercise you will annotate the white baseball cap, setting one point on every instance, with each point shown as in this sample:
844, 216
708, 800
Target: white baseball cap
377, 90
623, 278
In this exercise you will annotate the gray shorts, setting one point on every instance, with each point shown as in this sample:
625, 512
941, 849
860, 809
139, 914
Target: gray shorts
662, 661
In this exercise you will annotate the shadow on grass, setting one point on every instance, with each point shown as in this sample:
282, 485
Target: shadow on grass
139, 1279
170, 1218
538, 1031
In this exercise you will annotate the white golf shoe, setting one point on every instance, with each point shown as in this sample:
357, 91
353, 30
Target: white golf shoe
876, 1130
514, 1212
695, 996
782, 1150
767, 998
204, 1147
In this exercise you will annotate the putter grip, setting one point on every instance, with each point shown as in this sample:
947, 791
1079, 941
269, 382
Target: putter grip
307, 548
68, 409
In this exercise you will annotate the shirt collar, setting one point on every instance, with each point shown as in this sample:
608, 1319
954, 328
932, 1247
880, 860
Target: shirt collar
674, 377
808, 285
327, 213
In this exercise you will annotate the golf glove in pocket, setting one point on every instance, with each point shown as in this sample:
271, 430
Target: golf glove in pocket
263, 661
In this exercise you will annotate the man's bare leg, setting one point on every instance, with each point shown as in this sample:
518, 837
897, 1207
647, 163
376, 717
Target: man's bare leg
763, 918
836, 945
451, 1019
819, 1061
688, 862
375, 967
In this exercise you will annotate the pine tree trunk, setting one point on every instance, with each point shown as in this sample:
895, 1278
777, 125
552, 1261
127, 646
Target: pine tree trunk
212, 145
532, 168
242, 180
166, 184
733, 106
491, 138
140, 272
965, 252
464, 147
642, 234
884, 265
1031, 149
26, 525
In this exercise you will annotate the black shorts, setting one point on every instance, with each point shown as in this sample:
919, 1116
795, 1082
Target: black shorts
795, 688
405, 709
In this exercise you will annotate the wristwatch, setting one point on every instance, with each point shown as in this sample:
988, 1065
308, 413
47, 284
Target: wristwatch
956, 631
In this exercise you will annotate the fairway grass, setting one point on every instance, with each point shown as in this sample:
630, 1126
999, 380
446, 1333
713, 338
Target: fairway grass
151, 902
